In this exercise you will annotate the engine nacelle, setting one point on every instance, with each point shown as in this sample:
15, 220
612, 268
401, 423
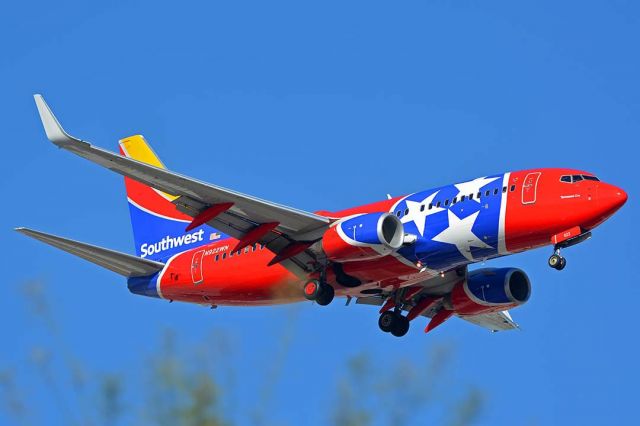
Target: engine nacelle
489, 290
363, 237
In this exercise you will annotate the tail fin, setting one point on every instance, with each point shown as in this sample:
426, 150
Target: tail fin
158, 227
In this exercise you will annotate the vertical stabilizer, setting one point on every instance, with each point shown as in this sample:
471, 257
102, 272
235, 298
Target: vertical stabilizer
158, 227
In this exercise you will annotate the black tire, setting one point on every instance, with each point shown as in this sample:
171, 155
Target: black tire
387, 321
326, 295
562, 264
554, 261
401, 326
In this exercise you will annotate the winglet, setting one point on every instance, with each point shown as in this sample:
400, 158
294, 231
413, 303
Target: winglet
53, 129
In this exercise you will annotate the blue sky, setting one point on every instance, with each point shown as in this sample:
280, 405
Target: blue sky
327, 106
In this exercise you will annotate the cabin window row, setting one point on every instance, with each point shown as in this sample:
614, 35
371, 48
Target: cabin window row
247, 249
455, 200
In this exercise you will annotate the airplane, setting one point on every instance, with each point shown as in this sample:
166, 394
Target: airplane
409, 255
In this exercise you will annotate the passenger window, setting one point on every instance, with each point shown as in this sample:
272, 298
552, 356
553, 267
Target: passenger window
455, 200
565, 178
398, 213
462, 198
471, 196
438, 204
239, 252
224, 255
446, 202
430, 206
217, 257
422, 208
513, 188
406, 212
495, 191
254, 247
230, 254
486, 193
246, 249
504, 189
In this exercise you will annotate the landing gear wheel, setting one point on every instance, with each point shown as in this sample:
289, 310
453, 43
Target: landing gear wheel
400, 326
326, 295
394, 323
387, 321
555, 260
312, 289
562, 264
318, 291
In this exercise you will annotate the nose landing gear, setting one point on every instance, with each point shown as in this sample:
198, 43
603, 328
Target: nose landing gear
566, 239
318, 291
556, 261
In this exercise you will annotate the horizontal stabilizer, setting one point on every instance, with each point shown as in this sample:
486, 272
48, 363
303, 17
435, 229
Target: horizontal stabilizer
121, 263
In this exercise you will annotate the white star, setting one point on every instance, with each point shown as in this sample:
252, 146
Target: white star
459, 234
473, 186
417, 216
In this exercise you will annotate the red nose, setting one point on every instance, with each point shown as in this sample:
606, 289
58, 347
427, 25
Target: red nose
611, 198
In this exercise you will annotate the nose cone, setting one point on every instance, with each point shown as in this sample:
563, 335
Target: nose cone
611, 198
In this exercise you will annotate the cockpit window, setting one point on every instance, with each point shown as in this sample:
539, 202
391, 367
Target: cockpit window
577, 178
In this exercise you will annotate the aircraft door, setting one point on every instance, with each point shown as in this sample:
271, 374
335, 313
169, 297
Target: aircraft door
196, 267
530, 188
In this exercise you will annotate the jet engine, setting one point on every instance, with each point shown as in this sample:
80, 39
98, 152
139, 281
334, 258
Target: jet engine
363, 237
489, 290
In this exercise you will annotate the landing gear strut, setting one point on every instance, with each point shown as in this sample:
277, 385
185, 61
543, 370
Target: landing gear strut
394, 322
556, 261
319, 292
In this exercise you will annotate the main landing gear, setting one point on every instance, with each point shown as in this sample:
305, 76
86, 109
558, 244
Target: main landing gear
319, 292
556, 261
394, 322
